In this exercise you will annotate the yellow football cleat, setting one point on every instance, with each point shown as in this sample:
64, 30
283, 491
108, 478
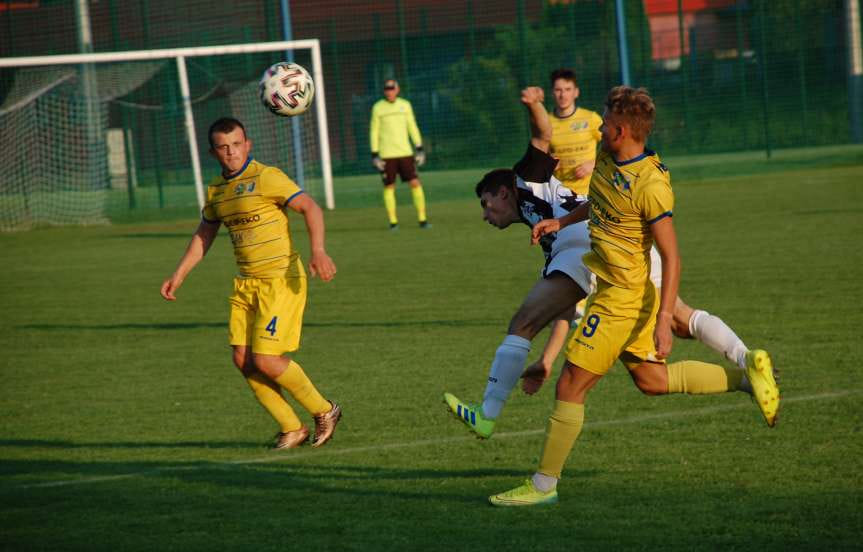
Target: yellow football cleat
765, 392
524, 495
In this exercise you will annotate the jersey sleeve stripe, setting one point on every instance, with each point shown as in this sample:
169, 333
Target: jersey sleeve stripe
293, 196
660, 217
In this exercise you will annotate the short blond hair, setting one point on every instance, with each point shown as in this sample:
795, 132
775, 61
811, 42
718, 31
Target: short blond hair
635, 107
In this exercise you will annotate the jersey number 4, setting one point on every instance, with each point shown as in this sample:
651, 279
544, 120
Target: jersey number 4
271, 327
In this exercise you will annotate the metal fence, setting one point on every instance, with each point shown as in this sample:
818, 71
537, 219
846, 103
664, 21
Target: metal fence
727, 75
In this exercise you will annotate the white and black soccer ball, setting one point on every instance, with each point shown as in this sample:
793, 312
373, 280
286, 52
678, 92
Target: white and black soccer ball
287, 89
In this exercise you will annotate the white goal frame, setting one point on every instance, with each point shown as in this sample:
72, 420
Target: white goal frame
180, 55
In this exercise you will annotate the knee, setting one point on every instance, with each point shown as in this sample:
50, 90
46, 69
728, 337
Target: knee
242, 361
651, 386
268, 364
523, 325
680, 329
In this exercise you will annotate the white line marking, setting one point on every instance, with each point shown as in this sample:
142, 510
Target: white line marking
301, 455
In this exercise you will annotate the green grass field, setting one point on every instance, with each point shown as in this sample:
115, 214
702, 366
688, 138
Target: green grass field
125, 426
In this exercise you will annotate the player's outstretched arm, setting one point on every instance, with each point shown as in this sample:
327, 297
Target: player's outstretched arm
540, 126
666, 243
195, 251
549, 226
320, 265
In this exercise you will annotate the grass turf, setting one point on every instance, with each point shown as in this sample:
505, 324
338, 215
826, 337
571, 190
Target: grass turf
126, 427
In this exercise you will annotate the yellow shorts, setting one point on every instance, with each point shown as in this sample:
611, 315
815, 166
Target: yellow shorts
267, 313
618, 323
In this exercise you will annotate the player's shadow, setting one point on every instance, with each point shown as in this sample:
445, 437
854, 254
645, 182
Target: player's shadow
59, 444
353, 481
453, 323
127, 326
153, 235
402, 323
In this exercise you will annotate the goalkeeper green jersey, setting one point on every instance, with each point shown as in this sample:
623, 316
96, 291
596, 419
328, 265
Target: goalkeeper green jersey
393, 128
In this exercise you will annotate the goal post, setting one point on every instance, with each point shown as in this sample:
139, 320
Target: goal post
126, 74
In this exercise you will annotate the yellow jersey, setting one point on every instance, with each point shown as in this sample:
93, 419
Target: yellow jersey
625, 199
573, 142
250, 203
392, 129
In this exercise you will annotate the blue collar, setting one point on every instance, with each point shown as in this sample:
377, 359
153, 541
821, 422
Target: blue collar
644, 154
239, 172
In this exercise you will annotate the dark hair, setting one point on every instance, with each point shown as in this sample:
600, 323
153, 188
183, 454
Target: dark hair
635, 107
224, 126
565, 74
493, 181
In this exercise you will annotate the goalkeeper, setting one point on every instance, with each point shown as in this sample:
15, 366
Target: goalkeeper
391, 131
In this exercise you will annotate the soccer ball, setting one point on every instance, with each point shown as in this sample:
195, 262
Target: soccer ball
287, 89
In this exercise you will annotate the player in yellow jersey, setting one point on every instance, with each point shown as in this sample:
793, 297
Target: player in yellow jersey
392, 129
269, 295
630, 207
575, 133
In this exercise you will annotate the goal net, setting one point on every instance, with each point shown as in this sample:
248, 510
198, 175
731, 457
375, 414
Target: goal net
87, 136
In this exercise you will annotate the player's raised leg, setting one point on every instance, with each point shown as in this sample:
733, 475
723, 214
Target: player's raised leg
553, 294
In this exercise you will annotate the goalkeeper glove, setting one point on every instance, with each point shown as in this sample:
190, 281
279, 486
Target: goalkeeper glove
378, 162
420, 156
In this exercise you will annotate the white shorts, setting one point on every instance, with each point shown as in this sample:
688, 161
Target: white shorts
569, 261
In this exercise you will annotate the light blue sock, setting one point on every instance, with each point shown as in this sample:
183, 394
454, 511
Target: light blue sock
505, 370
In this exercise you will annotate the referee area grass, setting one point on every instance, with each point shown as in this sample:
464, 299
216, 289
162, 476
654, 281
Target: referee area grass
126, 427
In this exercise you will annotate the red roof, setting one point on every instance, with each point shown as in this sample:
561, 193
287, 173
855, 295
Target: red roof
663, 7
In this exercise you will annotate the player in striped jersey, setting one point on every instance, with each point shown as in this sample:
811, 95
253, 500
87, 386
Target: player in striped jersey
529, 193
269, 297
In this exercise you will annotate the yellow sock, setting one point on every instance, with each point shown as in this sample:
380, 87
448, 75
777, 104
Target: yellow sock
271, 399
419, 202
698, 378
298, 384
390, 204
564, 426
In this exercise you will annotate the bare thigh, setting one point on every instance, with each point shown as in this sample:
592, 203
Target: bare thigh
548, 298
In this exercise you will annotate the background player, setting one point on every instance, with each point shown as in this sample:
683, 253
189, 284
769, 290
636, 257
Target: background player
391, 131
575, 133
270, 290
630, 207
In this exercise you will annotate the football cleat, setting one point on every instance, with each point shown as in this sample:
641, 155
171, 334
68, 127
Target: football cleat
470, 415
325, 425
765, 392
524, 495
425, 225
291, 439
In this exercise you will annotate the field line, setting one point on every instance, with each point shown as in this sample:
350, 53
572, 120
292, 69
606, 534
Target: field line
301, 455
